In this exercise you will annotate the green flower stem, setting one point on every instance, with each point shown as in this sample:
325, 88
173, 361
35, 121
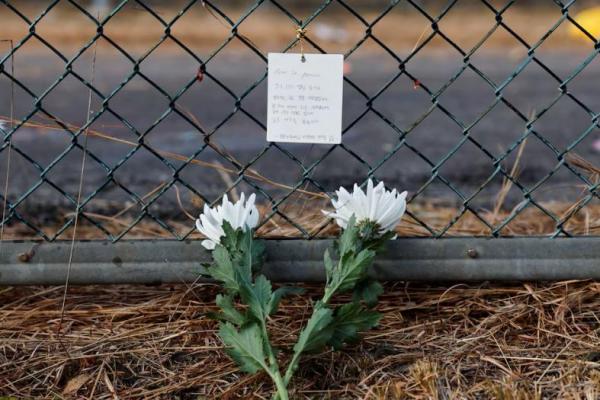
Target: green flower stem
328, 294
282, 393
291, 369
293, 366
365, 238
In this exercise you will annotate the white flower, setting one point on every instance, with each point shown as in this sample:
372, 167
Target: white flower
239, 215
378, 205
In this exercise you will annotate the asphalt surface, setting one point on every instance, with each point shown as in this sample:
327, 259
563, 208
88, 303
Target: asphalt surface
370, 139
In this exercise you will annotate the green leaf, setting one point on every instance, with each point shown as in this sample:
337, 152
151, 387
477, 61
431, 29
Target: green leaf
368, 290
228, 311
263, 290
258, 255
243, 256
258, 297
349, 238
348, 321
378, 244
252, 253
352, 265
223, 270
329, 265
317, 331
231, 238
351, 269
244, 346
238, 243
236, 258
278, 295
261, 299
245, 252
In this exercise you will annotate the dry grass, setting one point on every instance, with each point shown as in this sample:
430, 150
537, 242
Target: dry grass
522, 341
529, 222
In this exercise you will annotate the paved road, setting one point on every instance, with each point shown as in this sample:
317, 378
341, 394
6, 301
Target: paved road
402, 103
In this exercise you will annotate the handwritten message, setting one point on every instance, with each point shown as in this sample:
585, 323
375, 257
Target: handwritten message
305, 98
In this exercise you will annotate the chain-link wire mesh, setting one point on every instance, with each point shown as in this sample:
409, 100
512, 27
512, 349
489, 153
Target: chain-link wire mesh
136, 182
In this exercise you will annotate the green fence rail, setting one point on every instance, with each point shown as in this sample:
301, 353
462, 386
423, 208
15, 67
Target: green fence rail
244, 173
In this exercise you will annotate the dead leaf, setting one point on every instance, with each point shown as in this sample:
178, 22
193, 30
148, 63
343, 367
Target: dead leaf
76, 383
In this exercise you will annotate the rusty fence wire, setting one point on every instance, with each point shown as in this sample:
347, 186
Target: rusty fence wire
135, 184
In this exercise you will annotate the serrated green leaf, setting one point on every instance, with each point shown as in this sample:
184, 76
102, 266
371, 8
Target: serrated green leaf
238, 244
348, 321
351, 269
263, 290
223, 269
231, 238
352, 265
349, 238
278, 295
262, 296
228, 311
244, 346
367, 290
378, 243
257, 296
258, 255
246, 253
317, 331
251, 253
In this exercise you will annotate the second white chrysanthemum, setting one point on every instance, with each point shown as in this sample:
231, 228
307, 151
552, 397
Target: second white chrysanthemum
383, 207
240, 214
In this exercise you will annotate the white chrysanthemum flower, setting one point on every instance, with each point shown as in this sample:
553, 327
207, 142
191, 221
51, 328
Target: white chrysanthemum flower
239, 215
378, 205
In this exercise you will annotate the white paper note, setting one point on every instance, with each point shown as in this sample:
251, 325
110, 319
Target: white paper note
305, 98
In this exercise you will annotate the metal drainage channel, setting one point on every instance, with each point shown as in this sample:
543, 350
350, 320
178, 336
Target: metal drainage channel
411, 259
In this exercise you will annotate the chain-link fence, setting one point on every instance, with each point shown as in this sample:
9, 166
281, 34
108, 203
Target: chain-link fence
126, 117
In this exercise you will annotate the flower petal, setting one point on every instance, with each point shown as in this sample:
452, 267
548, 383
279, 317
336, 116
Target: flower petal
240, 214
376, 204
209, 244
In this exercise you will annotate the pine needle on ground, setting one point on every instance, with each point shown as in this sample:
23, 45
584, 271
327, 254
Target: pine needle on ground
511, 341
